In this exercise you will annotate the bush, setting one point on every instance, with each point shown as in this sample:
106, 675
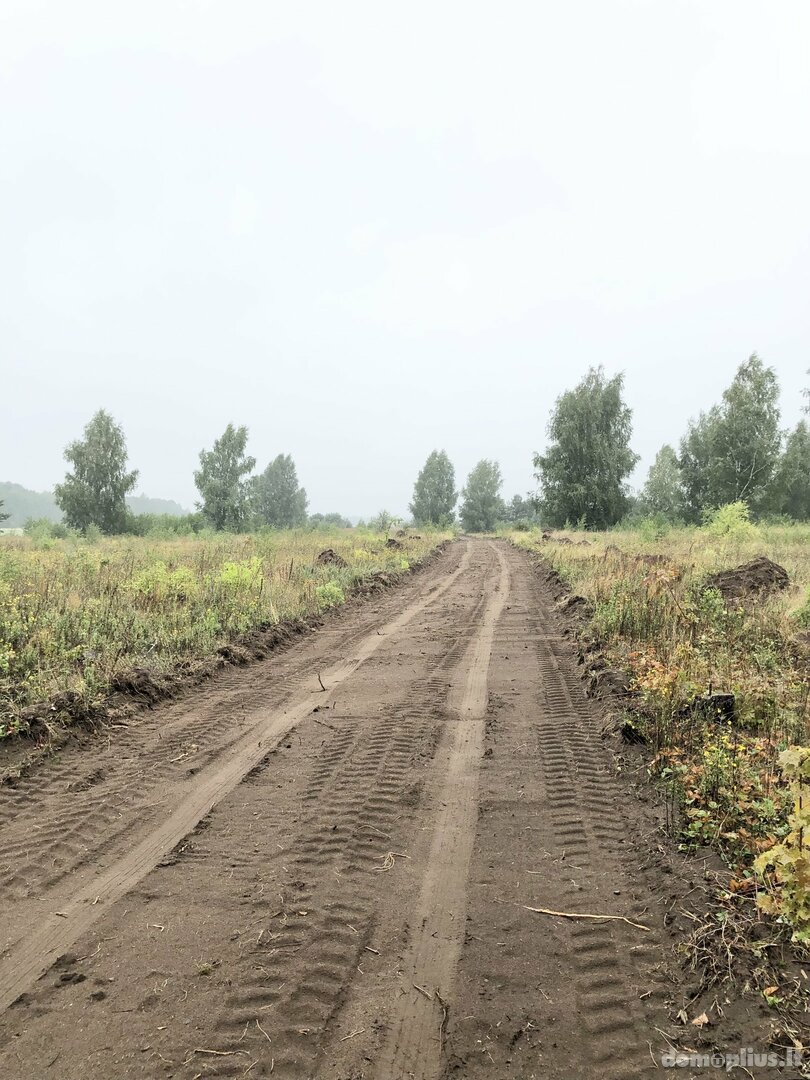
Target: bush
45, 529
329, 595
731, 522
159, 584
242, 575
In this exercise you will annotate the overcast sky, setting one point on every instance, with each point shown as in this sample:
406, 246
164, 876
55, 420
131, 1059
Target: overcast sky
367, 230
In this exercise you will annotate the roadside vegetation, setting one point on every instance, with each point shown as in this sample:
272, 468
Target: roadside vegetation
719, 680
77, 615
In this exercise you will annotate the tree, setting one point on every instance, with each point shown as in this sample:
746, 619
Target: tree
791, 483
328, 521
730, 454
221, 480
3, 517
482, 507
95, 492
696, 460
277, 499
663, 491
582, 473
520, 511
434, 493
383, 521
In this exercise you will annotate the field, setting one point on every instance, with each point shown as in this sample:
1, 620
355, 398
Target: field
76, 616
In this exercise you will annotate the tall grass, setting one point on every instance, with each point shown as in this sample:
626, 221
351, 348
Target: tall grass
682, 643
74, 615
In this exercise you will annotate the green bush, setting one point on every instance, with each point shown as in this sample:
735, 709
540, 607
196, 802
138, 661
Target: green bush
329, 595
732, 521
803, 614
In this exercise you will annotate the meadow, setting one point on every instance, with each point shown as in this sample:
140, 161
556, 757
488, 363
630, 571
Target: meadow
77, 614
733, 781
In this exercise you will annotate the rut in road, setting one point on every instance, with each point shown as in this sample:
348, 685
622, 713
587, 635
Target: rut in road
414, 1047
388, 839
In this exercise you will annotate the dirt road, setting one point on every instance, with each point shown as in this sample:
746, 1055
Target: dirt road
265, 878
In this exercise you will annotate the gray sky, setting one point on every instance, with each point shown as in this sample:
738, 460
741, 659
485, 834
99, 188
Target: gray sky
367, 230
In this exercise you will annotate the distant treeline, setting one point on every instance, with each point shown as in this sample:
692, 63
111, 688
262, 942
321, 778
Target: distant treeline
22, 505
735, 453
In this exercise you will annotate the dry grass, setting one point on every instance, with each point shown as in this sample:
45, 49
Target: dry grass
74, 615
653, 617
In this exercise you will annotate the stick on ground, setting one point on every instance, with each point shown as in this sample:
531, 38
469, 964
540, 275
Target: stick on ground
585, 915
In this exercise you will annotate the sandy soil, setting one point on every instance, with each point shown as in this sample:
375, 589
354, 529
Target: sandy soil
264, 878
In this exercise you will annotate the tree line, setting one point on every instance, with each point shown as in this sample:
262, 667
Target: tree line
94, 491
736, 451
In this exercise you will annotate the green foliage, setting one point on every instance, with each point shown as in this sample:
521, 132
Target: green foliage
521, 513
785, 867
278, 501
731, 452
663, 491
329, 595
221, 481
159, 584
732, 522
144, 505
164, 525
25, 505
328, 521
803, 614
791, 483
582, 473
94, 493
246, 575
434, 493
383, 522
3, 517
654, 527
483, 506
45, 529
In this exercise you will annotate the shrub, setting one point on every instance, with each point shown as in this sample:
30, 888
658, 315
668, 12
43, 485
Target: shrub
329, 595
785, 867
731, 522
242, 575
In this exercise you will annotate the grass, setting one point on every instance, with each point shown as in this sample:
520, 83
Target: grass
653, 616
75, 615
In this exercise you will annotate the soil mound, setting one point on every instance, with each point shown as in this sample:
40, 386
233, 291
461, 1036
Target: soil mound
756, 578
329, 557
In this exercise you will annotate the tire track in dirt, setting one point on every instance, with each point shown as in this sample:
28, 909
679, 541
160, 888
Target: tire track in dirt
541, 996
64, 915
354, 805
391, 837
414, 1046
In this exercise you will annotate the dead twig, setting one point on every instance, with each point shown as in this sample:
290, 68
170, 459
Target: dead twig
586, 915
443, 1022
320, 680
388, 860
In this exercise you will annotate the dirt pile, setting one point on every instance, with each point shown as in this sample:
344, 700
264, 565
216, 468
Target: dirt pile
329, 557
757, 578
